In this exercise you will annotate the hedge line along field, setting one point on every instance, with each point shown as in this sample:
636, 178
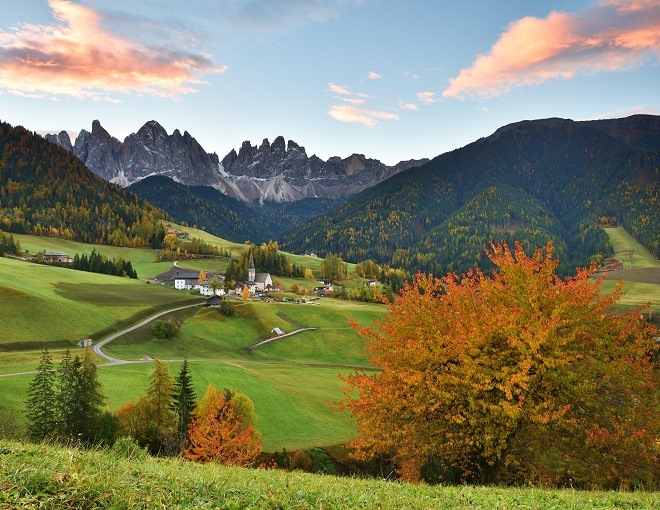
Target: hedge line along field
45, 476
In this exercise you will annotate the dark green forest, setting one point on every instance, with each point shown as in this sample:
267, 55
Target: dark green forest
532, 181
226, 217
44, 190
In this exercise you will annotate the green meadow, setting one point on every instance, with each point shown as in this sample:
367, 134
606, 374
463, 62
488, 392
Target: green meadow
292, 380
641, 273
628, 251
142, 259
42, 305
293, 402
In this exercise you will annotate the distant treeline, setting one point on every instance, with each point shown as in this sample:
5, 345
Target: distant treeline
94, 263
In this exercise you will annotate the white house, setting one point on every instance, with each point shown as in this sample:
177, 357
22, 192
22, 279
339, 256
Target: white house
206, 290
185, 280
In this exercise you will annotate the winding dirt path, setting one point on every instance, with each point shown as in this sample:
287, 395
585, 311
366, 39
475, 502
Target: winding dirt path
116, 361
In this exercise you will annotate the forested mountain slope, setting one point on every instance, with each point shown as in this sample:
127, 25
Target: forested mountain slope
533, 180
45, 190
227, 217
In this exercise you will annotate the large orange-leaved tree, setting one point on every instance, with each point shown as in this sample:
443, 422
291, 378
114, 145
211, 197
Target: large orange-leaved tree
512, 377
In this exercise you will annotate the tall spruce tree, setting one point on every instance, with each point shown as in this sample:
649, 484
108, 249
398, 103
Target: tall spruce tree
158, 402
91, 399
185, 401
41, 412
68, 398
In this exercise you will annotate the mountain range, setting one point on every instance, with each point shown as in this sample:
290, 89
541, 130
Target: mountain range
277, 172
532, 181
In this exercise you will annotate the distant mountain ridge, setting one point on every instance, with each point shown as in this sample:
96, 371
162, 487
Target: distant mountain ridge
44, 190
532, 181
277, 172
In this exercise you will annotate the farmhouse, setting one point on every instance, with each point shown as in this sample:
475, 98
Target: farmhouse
57, 256
185, 280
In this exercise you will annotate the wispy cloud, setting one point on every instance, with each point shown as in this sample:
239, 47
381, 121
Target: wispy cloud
426, 97
357, 115
409, 106
78, 56
612, 35
374, 76
339, 89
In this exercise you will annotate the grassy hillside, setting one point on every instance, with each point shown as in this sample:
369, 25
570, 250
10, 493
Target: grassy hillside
641, 274
50, 306
628, 251
142, 259
36, 476
291, 380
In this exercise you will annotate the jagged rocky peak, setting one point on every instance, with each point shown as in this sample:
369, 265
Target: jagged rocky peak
355, 164
62, 139
279, 171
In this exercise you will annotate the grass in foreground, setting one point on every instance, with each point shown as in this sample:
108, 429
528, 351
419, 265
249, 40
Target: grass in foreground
43, 476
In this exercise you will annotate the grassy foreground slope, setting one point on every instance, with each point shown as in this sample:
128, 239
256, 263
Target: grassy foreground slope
36, 476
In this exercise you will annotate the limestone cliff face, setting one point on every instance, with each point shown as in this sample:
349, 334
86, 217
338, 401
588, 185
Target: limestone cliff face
280, 172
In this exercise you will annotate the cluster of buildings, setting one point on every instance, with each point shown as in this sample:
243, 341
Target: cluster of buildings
187, 279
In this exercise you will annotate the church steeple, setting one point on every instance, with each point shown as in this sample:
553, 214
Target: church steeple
252, 272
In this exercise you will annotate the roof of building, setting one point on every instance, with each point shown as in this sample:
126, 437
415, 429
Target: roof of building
261, 277
187, 275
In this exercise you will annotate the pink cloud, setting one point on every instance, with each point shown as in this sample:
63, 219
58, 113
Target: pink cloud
356, 115
409, 106
76, 56
613, 35
339, 89
426, 97
374, 76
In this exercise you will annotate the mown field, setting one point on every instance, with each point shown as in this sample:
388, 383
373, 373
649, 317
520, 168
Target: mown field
43, 305
37, 476
641, 273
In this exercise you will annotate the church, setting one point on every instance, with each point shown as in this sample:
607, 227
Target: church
256, 282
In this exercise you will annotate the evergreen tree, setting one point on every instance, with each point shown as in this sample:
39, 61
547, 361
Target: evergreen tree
91, 398
67, 399
41, 412
184, 404
159, 401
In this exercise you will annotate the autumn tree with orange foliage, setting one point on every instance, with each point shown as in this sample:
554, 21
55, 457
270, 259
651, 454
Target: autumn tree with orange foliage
516, 377
224, 430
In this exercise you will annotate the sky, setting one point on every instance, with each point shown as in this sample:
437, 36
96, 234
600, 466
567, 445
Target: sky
391, 79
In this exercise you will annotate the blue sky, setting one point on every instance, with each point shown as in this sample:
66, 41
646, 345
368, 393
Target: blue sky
391, 79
